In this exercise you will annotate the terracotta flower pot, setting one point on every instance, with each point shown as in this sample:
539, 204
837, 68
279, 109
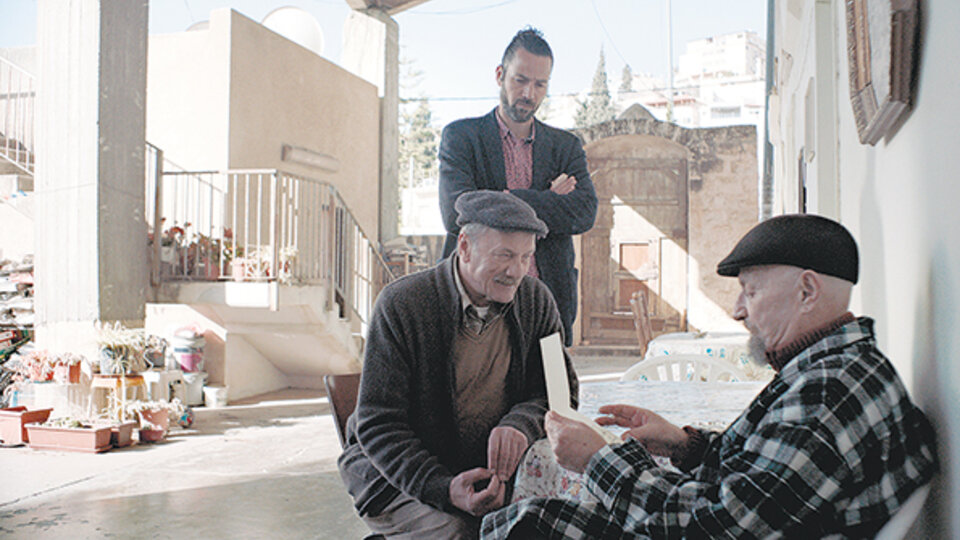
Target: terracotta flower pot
82, 439
13, 421
66, 374
157, 417
151, 435
122, 434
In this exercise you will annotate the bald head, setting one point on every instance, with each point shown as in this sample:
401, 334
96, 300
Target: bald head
780, 303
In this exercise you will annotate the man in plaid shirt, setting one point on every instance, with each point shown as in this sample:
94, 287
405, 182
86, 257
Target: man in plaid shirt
832, 447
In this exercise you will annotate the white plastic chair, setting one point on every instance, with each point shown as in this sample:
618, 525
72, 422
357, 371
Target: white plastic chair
899, 525
684, 367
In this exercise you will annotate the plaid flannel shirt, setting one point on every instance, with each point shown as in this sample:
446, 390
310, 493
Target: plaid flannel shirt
831, 448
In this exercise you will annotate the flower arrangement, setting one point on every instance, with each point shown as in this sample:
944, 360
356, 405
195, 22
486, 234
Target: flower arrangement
172, 236
42, 366
174, 408
257, 262
155, 416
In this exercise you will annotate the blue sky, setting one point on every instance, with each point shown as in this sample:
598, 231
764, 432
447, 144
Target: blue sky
458, 43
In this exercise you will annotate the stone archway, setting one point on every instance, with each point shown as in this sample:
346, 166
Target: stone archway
640, 233
672, 202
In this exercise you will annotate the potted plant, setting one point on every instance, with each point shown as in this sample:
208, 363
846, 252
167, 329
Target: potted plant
69, 434
203, 257
156, 415
13, 422
66, 368
151, 433
42, 366
288, 256
172, 243
155, 351
121, 349
121, 434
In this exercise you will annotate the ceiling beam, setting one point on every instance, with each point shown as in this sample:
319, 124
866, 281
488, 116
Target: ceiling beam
392, 7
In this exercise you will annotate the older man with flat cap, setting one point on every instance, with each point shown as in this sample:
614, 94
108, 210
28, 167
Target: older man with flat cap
452, 391
831, 447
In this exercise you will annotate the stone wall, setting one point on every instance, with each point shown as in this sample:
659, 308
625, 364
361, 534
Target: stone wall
723, 205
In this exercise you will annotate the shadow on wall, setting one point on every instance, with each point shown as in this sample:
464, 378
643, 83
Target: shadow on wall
933, 297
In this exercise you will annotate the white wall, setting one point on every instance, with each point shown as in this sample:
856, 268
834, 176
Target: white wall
899, 200
188, 96
282, 93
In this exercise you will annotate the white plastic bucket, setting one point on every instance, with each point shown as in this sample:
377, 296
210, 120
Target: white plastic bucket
193, 387
188, 352
215, 396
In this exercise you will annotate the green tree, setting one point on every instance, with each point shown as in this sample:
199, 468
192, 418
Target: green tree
626, 79
418, 136
598, 107
418, 144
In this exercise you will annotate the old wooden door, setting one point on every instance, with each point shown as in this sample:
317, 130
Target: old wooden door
640, 240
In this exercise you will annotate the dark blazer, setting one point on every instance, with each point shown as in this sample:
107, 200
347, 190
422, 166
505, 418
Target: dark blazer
471, 158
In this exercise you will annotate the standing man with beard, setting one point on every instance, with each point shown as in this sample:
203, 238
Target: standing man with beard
510, 150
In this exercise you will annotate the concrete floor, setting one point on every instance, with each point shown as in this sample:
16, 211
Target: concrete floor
261, 468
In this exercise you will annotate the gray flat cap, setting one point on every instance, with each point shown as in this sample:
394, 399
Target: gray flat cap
802, 240
498, 210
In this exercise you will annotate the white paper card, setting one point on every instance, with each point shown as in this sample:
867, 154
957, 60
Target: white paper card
558, 387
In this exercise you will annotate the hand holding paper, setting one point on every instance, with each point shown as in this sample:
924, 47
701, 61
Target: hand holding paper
558, 389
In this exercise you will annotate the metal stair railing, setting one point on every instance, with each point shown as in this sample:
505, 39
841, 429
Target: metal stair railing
261, 225
17, 105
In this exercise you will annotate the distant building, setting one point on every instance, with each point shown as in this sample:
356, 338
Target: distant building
718, 82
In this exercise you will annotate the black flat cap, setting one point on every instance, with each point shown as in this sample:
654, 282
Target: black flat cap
802, 240
498, 210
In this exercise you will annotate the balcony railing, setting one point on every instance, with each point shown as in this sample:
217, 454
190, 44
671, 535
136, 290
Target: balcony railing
17, 104
261, 225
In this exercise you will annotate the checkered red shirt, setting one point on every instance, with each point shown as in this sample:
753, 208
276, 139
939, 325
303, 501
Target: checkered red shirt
518, 163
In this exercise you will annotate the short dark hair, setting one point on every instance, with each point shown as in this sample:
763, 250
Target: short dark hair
531, 40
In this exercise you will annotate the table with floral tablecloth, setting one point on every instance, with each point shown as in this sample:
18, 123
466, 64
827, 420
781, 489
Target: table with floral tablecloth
710, 405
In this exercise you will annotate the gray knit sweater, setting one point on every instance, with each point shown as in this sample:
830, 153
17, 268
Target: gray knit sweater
402, 437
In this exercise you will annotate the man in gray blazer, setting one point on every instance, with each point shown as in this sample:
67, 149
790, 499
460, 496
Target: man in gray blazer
510, 150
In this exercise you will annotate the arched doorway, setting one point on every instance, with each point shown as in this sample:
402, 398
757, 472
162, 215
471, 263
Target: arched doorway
640, 239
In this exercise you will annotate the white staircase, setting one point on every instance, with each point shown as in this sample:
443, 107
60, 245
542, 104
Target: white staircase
274, 263
274, 266
17, 104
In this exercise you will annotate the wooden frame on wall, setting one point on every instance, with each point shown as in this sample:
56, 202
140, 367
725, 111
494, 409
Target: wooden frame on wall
881, 50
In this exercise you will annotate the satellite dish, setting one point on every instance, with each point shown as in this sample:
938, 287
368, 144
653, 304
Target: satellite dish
200, 25
296, 25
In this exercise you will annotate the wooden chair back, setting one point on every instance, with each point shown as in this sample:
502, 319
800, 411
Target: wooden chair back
641, 318
342, 391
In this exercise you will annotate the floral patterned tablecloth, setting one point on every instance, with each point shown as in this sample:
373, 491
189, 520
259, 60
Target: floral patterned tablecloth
707, 405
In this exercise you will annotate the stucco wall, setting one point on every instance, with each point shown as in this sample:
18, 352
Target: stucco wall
899, 200
188, 114
282, 93
232, 95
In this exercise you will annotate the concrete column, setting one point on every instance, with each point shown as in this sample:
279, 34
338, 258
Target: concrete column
91, 235
371, 49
